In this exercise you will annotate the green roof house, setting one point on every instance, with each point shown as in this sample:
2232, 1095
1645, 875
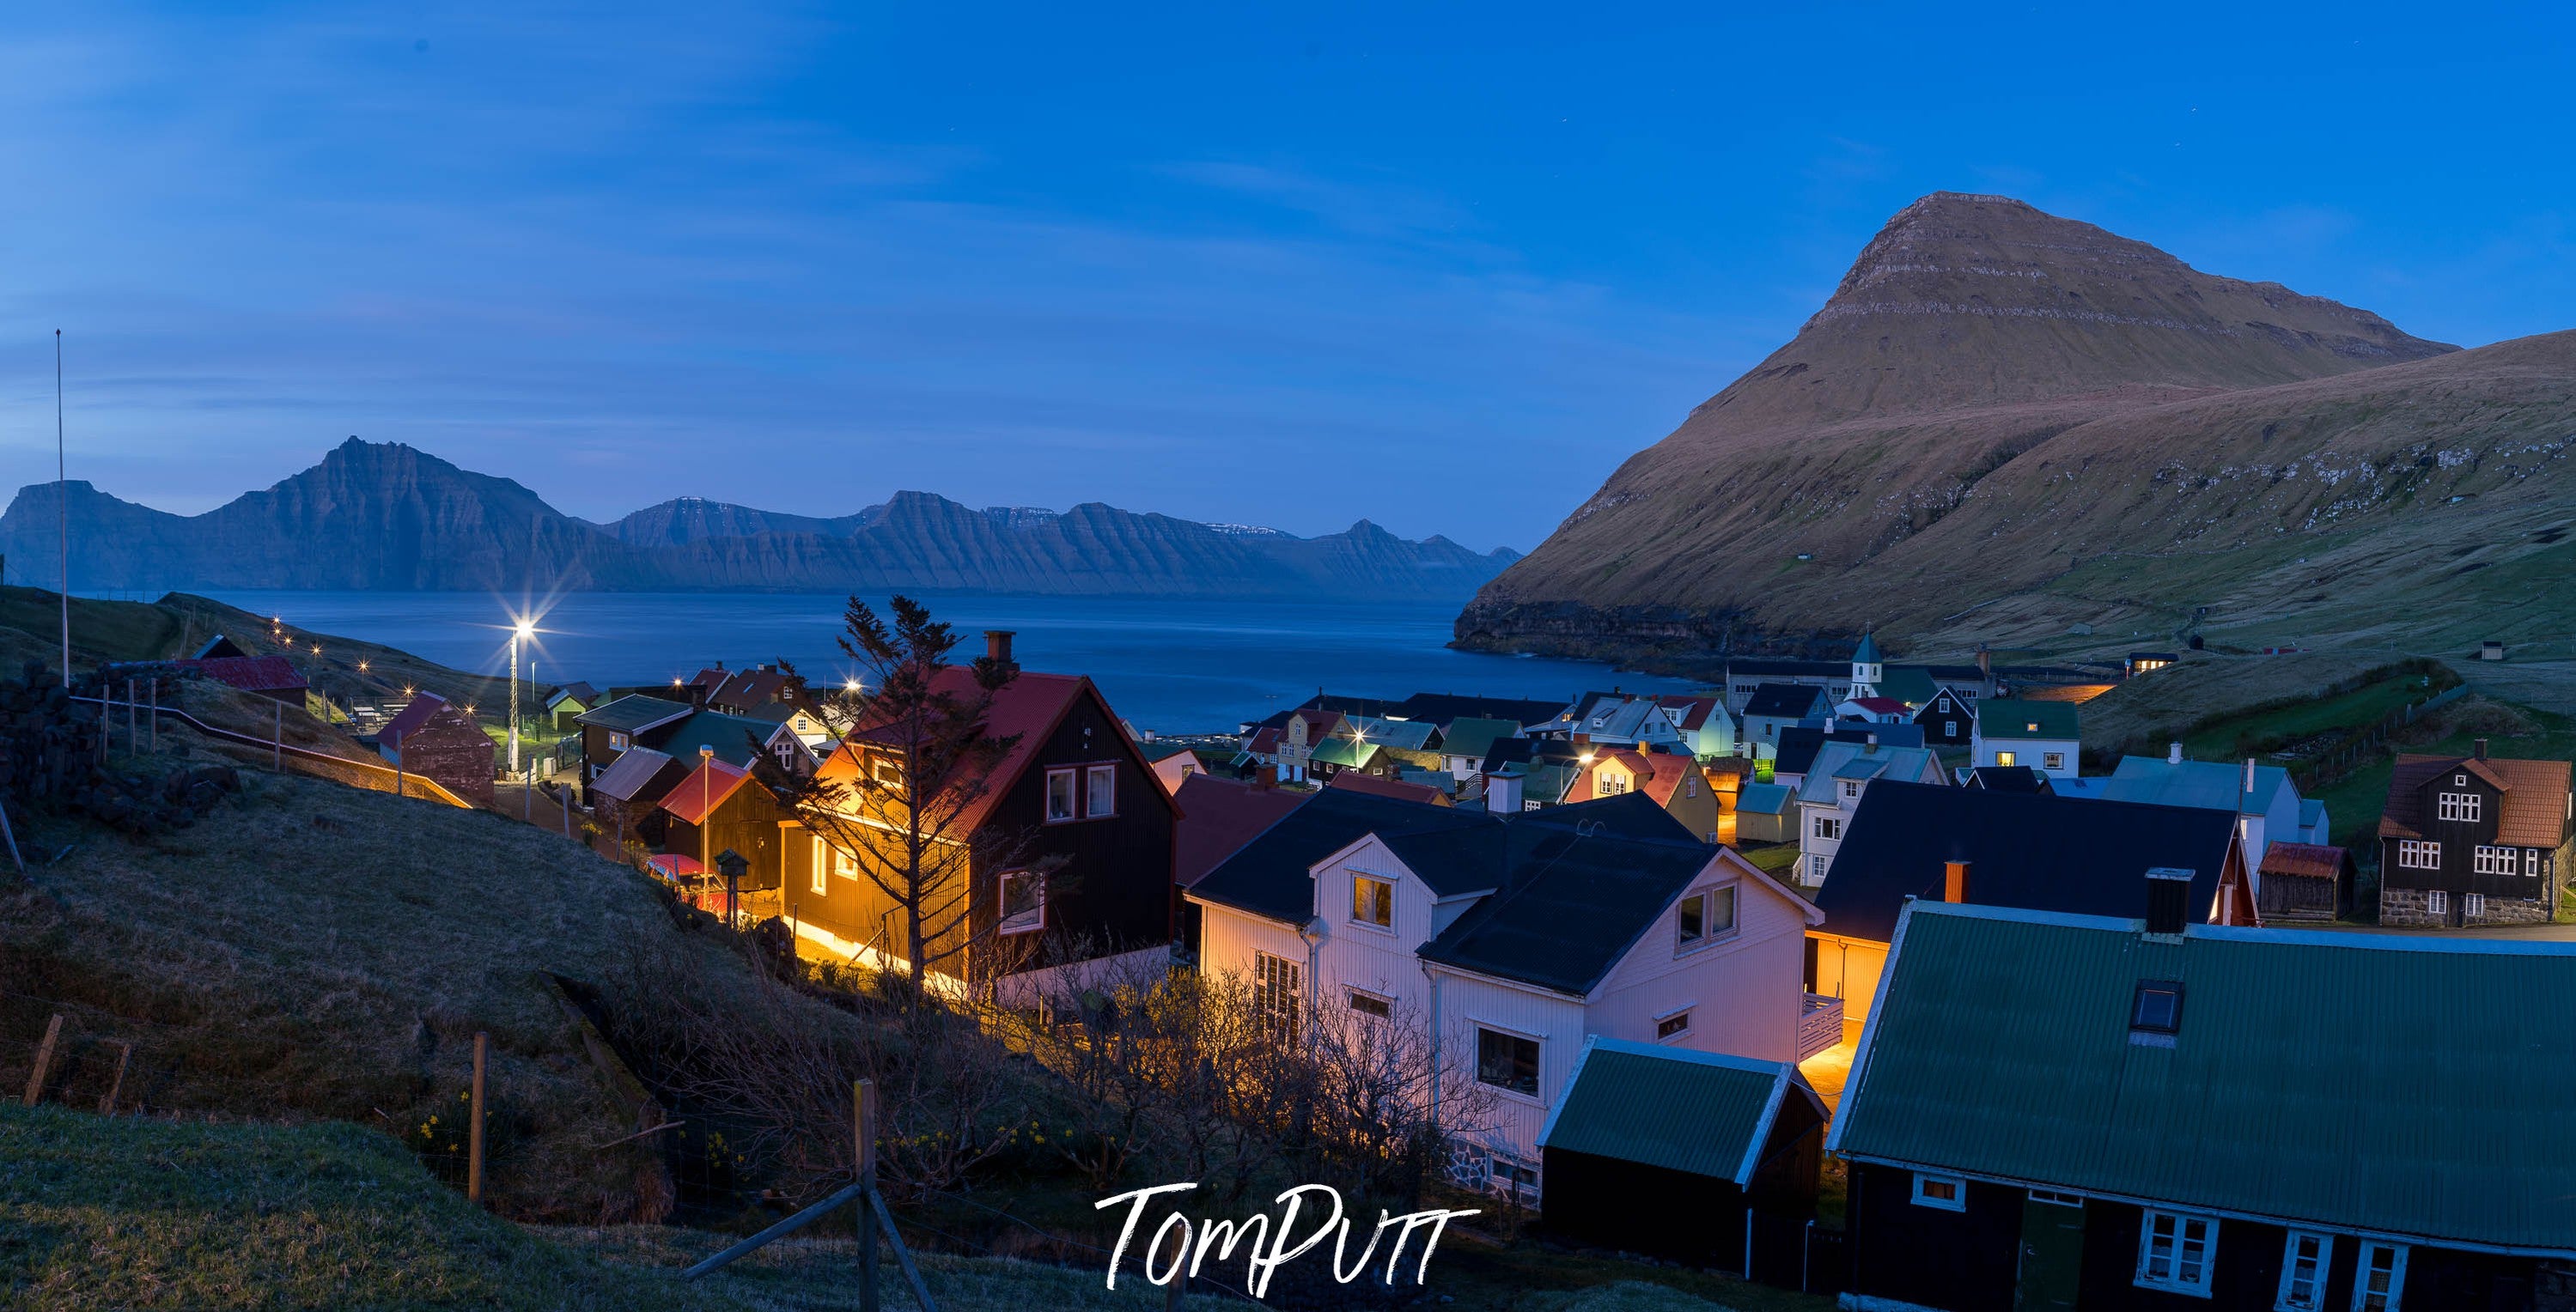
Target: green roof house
2252, 1118
1662, 1150
2042, 735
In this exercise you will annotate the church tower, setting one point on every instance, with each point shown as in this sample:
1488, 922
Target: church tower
1866, 669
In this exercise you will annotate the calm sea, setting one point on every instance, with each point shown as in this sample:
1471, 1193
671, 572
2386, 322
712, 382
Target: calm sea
1171, 666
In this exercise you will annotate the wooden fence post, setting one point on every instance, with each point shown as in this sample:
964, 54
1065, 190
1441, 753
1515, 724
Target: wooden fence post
133, 734
864, 1095
124, 1055
277, 737
44, 1059
474, 1128
154, 719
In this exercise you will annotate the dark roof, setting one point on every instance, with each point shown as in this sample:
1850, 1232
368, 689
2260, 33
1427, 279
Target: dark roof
1509, 751
1354, 781
1702, 1113
1219, 816
2533, 808
577, 691
219, 645
2031, 850
1442, 708
2003, 719
249, 673
1786, 700
2008, 779
1797, 748
2311, 860
1025, 711
732, 737
1580, 884
633, 712
1268, 877
639, 775
412, 718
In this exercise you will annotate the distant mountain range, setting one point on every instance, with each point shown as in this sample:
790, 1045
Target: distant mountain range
383, 516
2005, 425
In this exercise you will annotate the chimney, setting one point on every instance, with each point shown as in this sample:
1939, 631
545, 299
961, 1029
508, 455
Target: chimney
1870, 744
1954, 881
1503, 792
997, 646
2173, 753
2168, 901
2479, 749
1585, 740
2249, 776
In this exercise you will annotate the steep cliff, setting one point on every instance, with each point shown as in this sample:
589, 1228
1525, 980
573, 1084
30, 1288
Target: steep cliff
2003, 421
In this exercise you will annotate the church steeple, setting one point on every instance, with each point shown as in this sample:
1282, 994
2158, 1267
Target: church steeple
1866, 668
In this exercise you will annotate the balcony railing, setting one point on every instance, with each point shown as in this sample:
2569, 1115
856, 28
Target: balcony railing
1820, 1024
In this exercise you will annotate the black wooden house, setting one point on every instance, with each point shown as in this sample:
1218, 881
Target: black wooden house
2474, 840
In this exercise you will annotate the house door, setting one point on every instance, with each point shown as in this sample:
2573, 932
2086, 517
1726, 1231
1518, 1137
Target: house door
2052, 1254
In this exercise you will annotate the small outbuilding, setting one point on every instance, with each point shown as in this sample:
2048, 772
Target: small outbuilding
437, 740
2305, 881
1766, 813
1669, 1152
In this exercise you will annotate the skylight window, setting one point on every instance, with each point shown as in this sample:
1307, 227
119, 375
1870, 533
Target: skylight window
2155, 1014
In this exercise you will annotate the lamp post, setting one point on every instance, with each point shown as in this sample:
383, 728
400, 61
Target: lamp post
733, 866
706, 803
522, 629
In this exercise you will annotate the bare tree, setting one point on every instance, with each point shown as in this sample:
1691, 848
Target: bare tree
903, 796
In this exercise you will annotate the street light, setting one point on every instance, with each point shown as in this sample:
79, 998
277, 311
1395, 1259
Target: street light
519, 631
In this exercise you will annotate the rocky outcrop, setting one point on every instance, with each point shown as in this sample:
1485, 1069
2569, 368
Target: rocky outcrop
376, 516
2007, 418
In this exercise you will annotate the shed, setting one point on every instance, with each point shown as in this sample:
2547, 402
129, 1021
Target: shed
1766, 813
439, 741
2304, 881
626, 798
1664, 1151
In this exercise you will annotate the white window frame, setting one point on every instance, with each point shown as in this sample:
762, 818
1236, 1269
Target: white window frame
2418, 854
2531, 863
1828, 828
2489, 859
1678, 1031
818, 873
1359, 877
618, 742
2179, 1239
1099, 792
2283, 1299
1278, 993
1026, 922
2460, 806
1851, 788
2396, 1291
1538, 1061
2473, 905
1949, 728
2437, 901
1607, 784
1957, 1185
1351, 999
2006, 758
1072, 798
2052, 760
1817, 864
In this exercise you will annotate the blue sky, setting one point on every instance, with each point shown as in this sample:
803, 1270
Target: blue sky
1442, 268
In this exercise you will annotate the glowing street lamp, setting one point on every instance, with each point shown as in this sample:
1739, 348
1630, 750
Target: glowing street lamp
519, 631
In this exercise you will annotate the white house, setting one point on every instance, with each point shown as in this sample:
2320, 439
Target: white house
1831, 791
2046, 736
1512, 938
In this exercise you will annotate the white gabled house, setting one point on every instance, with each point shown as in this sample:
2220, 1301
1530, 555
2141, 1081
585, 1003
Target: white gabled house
1513, 939
1830, 792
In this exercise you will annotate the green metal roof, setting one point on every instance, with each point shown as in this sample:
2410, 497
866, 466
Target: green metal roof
2366, 1083
1345, 752
632, 712
2006, 717
1910, 684
1700, 1112
1475, 737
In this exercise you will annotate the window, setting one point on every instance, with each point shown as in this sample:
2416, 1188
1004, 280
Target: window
1690, 786
2493, 860
2157, 1007
2461, 806
1705, 915
1507, 1061
2473, 905
2303, 1272
617, 742
1100, 790
2174, 1252
2531, 862
1610, 785
844, 863
1851, 789
1677, 1023
2415, 854
819, 870
1369, 1004
2437, 901
1949, 728
1518, 1177
1023, 901
2006, 758
1276, 987
2379, 1278
1373, 901
1817, 865
1829, 826
2056, 1198
1059, 796
889, 772
1947, 1192
2052, 760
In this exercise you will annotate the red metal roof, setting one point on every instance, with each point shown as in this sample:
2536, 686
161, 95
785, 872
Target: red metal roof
2314, 860
411, 718
1694, 711
1881, 705
1355, 782
706, 788
250, 673
1028, 707
1220, 816
675, 865
2534, 804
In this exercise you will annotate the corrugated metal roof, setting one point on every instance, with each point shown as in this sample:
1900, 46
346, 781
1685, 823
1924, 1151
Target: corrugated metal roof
633, 712
630, 773
1703, 1113
2359, 1082
2001, 718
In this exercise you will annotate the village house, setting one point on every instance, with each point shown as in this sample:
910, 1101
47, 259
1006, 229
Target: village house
1707, 728
566, 703
1673, 780
1831, 790
1464, 744
1766, 813
1947, 719
1288, 743
2172, 1115
2007, 779
1095, 850
1512, 936
1709, 1137
1172, 763
607, 731
721, 808
2474, 840
1777, 706
1400, 744
2042, 735
1799, 744
272, 677
2028, 850
438, 741
626, 798
1352, 781
2266, 802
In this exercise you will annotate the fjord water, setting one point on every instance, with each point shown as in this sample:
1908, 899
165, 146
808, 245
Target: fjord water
1167, 665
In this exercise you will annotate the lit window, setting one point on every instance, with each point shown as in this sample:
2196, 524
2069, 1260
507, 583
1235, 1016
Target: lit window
1507, 1061
2052, 760
2460, 806
1369, 1004
2379, 1278
2006, 758
1023, 902
1100, 791
1678, 1022
2174, 1252
888, 772
819, 870
1059, 795
1610, 785
1373, 901
2303, 1272
1277, 990
1947, 1192
617, 742
2416, 854
845, 863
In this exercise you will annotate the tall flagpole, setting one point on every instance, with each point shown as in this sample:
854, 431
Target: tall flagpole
63, 499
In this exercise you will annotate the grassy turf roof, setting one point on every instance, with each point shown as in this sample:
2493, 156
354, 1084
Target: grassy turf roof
2371, 1084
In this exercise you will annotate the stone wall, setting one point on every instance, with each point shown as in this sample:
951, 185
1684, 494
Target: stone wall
2404, 907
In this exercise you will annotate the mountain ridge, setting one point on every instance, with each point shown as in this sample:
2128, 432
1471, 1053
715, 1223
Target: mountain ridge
1995, 402
385, 516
